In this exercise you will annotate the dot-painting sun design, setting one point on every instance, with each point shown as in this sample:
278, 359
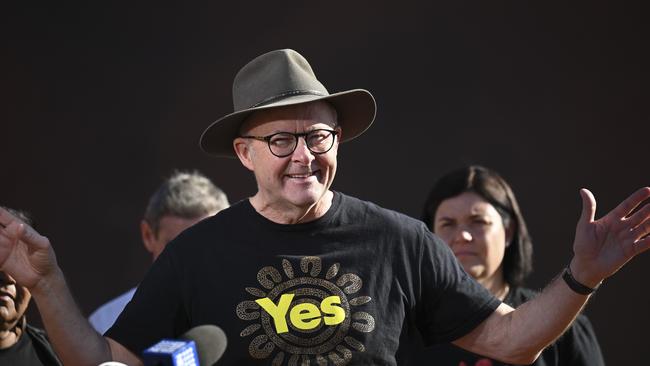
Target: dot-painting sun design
303, 318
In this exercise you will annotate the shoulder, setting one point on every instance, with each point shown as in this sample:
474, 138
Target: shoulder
355, 209
235, 212
393, 229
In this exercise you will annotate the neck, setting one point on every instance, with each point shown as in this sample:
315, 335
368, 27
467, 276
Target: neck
496, 285
10, 337
290, 214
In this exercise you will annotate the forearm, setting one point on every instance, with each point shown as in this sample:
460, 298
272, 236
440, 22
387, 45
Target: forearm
519, 335
539, 322
74, 340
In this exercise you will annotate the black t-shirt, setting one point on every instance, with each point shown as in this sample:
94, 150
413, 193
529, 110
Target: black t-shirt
577, 347
348, 288
32, 349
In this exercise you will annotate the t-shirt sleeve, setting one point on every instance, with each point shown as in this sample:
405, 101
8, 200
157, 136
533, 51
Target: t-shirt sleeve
450, 302
156, 310
579, 346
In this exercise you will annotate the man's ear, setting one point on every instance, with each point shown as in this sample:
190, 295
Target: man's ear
148, 236
243, 151
339, 135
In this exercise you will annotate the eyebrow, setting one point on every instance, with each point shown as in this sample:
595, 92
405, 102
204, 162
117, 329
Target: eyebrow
445, 218
472, 216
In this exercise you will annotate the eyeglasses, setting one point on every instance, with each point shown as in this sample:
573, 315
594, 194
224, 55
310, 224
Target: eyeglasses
283, 144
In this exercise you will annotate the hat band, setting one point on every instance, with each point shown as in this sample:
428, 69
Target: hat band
288, 94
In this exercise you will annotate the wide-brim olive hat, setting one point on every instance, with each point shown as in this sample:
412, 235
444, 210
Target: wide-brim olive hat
282, 78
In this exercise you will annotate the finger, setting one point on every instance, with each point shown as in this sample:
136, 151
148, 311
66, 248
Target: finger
33, 237
642, 245
625, 207
641, 230
25, 233
6, 217
639, 217
588, 207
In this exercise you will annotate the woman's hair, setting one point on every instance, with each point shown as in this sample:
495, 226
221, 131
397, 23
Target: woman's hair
518, 257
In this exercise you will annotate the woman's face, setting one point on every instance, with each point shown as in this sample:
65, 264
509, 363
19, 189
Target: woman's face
474, 230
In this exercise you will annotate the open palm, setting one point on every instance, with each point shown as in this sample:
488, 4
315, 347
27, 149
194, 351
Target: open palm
603, 246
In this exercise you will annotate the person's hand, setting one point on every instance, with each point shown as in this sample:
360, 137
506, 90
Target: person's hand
24, 254
603, 246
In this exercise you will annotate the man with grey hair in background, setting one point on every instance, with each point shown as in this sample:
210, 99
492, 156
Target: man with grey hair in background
181, 201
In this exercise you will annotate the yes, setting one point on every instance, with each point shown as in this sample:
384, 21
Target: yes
303, 316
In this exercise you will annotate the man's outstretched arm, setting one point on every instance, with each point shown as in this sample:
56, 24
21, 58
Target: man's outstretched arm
601, 247
29, 258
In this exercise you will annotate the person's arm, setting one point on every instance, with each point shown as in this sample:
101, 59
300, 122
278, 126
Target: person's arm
29, 258
601, 247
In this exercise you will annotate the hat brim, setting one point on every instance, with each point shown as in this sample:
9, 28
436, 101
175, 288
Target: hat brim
355, 109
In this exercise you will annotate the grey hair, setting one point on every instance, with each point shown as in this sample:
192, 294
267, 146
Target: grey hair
188, 195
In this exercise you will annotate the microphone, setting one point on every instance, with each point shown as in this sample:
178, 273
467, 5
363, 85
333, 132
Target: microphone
200, 346
210, 342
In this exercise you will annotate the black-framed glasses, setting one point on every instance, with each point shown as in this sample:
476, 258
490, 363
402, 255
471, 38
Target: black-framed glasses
283, 144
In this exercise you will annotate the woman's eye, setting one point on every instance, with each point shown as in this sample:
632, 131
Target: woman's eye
445, 224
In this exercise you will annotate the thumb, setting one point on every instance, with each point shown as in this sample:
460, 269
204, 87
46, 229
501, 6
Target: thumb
588, 207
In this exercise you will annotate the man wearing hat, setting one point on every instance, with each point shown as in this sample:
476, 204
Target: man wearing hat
301, 275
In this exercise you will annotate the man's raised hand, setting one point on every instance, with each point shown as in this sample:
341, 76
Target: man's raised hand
603, 246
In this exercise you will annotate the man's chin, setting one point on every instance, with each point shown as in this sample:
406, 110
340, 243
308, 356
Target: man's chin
305, 197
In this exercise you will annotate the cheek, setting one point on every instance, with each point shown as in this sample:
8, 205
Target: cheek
269, 173
22, 300
328, 163
444, 235
495, 245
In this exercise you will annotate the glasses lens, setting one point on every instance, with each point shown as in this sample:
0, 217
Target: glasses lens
320, 141
282, 144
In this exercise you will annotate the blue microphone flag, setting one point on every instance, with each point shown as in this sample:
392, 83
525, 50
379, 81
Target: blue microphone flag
171, 352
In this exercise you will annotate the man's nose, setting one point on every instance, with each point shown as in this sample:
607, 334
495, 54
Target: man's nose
302, 153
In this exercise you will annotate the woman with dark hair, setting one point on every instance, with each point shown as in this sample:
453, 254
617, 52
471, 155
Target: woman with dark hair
476, 213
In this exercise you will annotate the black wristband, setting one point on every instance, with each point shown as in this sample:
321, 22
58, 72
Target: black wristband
575, 285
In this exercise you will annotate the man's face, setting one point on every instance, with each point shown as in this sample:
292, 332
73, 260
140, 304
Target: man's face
13, 301
302, 178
